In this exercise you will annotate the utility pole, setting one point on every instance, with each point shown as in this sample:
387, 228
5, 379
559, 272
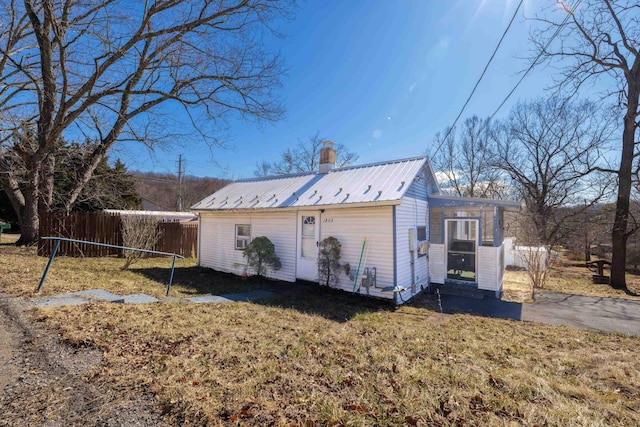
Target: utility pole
179, 204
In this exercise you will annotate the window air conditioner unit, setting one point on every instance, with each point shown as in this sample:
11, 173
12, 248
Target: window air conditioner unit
423, 247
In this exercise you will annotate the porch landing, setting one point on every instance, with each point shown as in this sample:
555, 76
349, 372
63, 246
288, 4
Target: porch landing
462, 290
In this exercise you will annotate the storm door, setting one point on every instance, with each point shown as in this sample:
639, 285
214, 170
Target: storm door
462, 241
308, 237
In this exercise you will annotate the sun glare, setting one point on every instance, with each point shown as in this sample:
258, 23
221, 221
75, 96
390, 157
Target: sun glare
506, 6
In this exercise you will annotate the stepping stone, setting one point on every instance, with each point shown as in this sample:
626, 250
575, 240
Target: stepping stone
83, 297
99, 294
249, 296
59, 301
137, 299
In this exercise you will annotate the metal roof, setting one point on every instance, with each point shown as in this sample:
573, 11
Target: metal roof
451, 200
377, 183
164, 215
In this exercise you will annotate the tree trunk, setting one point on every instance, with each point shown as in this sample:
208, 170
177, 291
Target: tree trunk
9, 184
620, 233
619, 242
48, 175
29, 220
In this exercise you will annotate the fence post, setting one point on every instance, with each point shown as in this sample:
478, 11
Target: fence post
173, 265
46, 270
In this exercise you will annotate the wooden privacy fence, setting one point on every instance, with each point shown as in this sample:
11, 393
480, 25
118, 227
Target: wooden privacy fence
178, 238
102, 227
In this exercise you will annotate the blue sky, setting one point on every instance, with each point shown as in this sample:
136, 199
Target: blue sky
381, 77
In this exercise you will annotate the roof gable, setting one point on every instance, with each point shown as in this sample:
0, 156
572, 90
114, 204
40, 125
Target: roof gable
378, 183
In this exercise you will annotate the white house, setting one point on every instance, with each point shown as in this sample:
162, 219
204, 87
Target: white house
389, 217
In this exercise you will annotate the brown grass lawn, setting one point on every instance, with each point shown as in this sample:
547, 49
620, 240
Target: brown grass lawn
569, 279
21, 271
8, 238
330, 358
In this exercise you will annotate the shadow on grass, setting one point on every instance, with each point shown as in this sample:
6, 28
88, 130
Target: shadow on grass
193, 281
333, 304
305, 297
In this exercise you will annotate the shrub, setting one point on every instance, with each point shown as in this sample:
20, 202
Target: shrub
261, 255
140, 232
329, 261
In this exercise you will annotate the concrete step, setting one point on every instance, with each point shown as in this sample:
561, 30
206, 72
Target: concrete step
460, 291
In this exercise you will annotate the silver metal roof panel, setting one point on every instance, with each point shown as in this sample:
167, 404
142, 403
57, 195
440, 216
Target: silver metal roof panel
378, 183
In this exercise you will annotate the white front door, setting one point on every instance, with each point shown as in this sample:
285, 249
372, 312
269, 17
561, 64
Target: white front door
308, 237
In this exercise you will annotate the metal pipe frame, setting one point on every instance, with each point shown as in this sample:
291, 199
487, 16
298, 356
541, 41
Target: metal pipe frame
64, 239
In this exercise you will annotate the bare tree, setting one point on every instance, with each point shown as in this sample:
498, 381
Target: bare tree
600, 40
551, 149
304, 157
465, 159
591, 228
531, 251
138, 232
99, 68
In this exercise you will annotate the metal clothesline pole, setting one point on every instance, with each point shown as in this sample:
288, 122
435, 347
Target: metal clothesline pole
60, 239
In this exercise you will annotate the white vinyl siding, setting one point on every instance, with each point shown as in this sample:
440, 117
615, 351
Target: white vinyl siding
217, 240
411, 214
437, 268
490, 268
350, 227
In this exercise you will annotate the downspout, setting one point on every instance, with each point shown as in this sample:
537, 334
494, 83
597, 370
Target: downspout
413, 269
427, 220
199, 238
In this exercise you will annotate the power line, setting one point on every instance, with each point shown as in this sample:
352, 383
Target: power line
524, 75
535, 62
504, 34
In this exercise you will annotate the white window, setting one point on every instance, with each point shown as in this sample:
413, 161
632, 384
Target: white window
243, 236
422, 233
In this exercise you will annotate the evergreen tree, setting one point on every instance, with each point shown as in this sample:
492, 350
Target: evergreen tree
111, 187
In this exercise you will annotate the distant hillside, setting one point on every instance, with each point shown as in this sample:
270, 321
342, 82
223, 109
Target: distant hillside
162, 188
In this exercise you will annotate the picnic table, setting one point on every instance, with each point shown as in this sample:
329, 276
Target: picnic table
597, 267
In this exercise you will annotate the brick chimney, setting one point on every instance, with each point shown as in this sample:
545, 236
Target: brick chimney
327, 157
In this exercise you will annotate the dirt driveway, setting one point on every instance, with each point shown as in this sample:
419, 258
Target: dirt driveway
45, 382
8, 371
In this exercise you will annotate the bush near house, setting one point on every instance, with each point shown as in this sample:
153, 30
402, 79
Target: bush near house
261, 256
329, 261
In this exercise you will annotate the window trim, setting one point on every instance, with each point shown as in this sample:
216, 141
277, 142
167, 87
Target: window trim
238, 237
